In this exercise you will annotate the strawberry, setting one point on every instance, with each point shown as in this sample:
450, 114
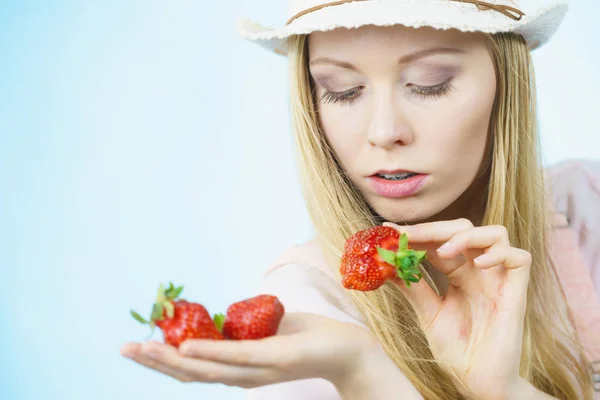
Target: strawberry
374, 255
254, 318
183, 319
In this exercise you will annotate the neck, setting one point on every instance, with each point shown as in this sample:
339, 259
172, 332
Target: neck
471, 204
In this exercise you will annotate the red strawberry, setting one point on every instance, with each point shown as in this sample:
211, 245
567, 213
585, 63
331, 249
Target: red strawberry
179, 319
374, 255
254, 318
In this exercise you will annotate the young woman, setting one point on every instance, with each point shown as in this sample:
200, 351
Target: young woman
422, 117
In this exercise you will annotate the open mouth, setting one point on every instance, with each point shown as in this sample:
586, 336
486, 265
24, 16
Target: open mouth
397, 177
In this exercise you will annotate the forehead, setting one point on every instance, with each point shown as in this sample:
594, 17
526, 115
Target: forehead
395, 38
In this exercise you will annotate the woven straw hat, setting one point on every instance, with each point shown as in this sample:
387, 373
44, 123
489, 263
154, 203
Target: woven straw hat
536, 21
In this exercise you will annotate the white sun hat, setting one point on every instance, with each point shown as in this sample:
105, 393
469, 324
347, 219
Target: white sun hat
536, 21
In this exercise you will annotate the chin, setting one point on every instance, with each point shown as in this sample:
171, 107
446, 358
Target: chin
405, 210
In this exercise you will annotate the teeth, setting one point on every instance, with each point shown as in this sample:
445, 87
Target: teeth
400, 176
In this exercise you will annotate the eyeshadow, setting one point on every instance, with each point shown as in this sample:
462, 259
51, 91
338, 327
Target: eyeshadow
431, 73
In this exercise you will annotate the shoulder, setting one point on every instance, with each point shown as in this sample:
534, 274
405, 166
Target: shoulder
574, 178
303, 282
575, 189
307, 253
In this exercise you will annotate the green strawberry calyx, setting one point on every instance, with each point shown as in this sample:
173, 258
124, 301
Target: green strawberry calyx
163, 303
405, 260
219, 320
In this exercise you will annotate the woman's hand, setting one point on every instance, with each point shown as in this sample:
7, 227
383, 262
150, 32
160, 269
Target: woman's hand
475, 330
306, 346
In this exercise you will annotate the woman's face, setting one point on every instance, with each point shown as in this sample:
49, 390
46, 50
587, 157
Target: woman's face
401, 99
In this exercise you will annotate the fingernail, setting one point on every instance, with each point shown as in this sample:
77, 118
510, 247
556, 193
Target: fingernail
127, 354
445, 248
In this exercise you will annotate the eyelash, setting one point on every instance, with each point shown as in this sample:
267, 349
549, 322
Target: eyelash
423, 92
345, 97
432, 92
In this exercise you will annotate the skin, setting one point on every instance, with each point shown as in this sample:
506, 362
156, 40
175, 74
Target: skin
392, 124
388, 126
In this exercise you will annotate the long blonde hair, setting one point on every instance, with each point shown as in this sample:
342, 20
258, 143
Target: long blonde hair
552, 360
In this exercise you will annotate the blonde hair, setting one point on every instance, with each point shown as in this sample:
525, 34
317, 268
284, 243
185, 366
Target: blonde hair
551, 359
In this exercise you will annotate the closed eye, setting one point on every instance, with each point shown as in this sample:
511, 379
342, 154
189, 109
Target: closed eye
431, 92
347, 97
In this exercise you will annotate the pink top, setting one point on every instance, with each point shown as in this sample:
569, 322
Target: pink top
304, 283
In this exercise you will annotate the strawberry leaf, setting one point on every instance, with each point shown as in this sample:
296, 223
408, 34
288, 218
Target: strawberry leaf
161, 295
404, 253
168, 305
420, 255
412, 278
157, 312
171, 292
405, 263
387, 255
176, 292
403, 243
139, 317
219, 320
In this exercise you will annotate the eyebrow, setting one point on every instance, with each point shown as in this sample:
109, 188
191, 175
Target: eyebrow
403, 60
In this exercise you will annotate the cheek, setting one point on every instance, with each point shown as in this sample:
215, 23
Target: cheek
459, 134
344, 129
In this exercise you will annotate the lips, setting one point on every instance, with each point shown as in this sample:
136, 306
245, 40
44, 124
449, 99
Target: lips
396, 188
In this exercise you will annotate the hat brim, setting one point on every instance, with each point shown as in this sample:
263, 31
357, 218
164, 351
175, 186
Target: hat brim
536, 26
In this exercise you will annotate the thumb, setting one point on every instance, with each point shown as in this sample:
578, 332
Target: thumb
424, 300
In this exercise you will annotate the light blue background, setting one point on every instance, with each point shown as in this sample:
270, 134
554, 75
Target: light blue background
143, 141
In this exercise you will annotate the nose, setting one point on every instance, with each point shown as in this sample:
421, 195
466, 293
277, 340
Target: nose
389, 124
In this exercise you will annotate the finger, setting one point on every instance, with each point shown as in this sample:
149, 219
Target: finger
151, 359
273, 351
517, 264
509, 257
422, 298
169, 360
511, 294
438, 231
474, 238
129, 350
470, 244
455, 267
429, 235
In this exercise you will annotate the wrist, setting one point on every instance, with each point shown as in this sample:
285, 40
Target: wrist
374, 376
352, 374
